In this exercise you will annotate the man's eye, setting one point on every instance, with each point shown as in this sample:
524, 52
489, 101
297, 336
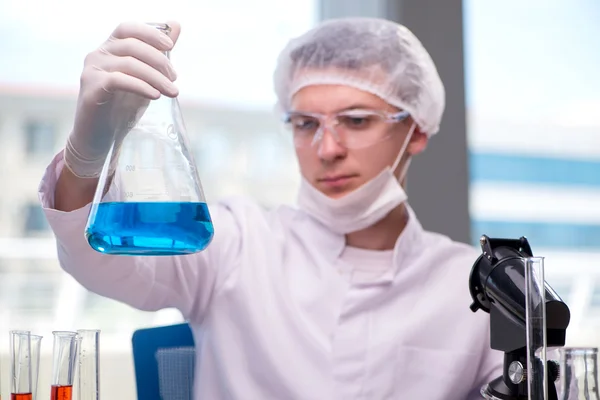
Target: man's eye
355, 121
301, 123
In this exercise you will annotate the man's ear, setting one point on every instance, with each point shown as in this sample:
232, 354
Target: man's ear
418, 142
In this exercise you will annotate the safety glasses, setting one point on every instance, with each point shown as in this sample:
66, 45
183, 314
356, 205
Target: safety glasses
351, 129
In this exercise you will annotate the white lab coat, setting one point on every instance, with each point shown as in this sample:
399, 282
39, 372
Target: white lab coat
278, 321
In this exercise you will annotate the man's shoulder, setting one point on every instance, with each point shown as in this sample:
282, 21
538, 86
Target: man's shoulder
450, 263
450, 250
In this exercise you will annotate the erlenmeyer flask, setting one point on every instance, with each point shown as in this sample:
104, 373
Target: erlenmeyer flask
579, 373
149, 199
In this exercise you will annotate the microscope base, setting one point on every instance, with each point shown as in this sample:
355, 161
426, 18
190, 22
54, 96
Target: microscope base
497, 390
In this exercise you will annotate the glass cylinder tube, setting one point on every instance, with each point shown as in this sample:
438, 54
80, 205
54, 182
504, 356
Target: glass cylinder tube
535, 315
36, 346
63, 365
20, 367
88, 387
579, 373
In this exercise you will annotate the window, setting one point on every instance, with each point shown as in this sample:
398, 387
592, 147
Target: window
226, 90
35, 220
563, 289
37, 293
28, 297
40, 137
532, 96
213, 152
595, 299
115, 317
269, 156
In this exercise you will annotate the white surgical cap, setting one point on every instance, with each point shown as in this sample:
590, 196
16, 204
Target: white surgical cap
374, 55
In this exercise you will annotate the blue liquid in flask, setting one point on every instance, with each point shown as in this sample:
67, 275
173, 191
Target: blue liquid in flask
147, 228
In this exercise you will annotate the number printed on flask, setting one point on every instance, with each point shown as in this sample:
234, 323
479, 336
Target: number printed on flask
130, 168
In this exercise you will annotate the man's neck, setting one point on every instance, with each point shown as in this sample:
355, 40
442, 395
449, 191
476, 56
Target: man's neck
384, 234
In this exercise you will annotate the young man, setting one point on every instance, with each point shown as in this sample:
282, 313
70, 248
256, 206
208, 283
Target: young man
344, 296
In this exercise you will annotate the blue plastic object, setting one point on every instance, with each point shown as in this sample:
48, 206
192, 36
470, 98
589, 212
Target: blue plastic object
146, 343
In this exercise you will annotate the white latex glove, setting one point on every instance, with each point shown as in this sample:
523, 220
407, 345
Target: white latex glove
118, 80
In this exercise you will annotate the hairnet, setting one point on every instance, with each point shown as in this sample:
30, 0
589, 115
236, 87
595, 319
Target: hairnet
374, 55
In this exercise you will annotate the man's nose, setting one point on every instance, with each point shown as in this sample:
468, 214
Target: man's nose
329, 148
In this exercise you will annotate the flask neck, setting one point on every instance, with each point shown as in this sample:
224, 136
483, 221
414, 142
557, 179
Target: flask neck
164, 28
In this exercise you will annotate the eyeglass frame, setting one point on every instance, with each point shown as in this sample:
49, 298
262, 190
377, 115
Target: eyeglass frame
323, 119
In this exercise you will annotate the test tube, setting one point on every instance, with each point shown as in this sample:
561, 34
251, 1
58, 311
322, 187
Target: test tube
36, 344
88, 387
535, 315
63, 365
20, 367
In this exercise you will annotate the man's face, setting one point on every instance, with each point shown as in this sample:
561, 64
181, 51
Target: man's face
335, 169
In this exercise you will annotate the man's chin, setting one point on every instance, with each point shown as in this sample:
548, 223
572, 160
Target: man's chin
339, 188
335, 193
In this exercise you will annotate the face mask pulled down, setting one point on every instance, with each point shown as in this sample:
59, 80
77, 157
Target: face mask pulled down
364, 206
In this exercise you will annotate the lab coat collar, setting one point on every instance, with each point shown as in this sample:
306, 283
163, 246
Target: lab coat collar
408, 245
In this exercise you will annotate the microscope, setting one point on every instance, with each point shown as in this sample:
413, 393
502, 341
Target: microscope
526, 318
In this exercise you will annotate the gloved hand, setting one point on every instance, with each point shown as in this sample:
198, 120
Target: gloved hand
118, 81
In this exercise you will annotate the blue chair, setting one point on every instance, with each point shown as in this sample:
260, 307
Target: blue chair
164, 359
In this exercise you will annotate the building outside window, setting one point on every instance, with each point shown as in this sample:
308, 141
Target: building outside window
534, 144
40, 137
